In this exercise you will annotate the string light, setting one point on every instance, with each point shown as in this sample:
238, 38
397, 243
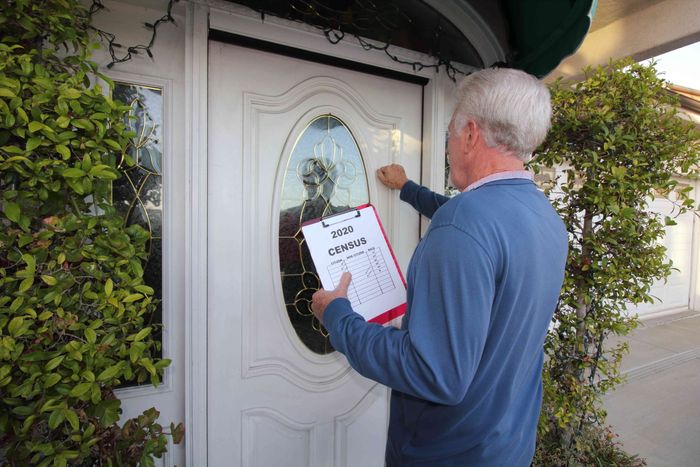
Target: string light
331, 27
132, 50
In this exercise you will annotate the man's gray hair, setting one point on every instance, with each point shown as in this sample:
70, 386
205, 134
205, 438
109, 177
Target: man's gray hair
511, 107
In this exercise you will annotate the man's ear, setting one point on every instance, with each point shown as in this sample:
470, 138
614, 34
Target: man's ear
472, 134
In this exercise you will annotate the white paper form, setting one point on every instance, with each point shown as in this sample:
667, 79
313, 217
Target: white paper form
354, 241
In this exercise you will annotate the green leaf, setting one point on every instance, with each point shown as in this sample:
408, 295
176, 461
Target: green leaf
63, 121
63, 151
35, 126
109, 286
25, 239
12, 211
145, 289
16, 303
4, 92
54, 362
84, 124
80, 389
50, 280
90, 335
12, 150
72, 417
141, 335
70, 93
163, 363
110, 373
132, 297
26, 284
73, 173
23, 410
136, 350
33, 143
45, 315
51, 380
55, 418
112, 144
51, 404
31, 262
87, 163
105, 174
28, 422
146, 363
15, 325
177, 432
22, 115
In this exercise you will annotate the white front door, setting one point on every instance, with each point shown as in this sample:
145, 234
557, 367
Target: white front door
272, 400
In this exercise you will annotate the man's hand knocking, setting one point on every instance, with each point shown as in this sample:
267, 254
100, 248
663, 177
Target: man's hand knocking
321, 299
393, 176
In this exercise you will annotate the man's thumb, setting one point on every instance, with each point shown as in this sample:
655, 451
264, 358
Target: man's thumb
345, 280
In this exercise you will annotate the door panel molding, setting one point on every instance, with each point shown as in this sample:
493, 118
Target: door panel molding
259, 423
353, 423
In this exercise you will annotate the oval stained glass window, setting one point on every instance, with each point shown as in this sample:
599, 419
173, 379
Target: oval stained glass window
325, 174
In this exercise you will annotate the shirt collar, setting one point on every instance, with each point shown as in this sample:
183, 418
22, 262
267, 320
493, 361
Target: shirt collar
511, 174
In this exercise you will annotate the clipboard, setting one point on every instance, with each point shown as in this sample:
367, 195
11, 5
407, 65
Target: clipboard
355, 241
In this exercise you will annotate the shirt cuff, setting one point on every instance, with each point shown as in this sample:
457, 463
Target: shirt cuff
336, 310
409, 190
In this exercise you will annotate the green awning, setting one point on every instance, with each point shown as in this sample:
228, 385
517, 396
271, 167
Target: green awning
544, 32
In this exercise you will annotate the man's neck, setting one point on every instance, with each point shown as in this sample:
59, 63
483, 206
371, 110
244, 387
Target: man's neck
492, 163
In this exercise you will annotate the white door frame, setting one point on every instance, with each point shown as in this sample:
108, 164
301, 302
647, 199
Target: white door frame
220, 15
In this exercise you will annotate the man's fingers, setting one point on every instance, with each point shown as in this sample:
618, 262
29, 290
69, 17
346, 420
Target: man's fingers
345, 280
380, 175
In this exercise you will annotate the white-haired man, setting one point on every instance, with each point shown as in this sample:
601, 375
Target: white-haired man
465, 367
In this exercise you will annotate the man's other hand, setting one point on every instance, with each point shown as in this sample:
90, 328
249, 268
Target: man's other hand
321, 299
393, 176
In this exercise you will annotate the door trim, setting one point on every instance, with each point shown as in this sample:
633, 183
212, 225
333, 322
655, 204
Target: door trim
196, 76
201, 15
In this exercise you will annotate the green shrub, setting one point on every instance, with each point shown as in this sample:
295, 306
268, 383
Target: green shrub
619, 138
74, 308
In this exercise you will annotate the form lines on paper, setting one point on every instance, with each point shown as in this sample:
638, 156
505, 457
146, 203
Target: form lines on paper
370, 275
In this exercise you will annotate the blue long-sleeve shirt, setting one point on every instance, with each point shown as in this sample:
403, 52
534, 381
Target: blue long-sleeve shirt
465, 367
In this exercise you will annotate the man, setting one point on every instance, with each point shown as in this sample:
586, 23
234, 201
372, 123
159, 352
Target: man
465, 367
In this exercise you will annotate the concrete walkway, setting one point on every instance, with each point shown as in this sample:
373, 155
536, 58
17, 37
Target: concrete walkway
657, 412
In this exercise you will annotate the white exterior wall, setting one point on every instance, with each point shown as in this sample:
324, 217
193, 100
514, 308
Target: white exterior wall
675, 294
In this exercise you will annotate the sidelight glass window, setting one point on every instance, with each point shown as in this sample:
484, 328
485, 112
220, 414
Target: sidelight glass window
138, 194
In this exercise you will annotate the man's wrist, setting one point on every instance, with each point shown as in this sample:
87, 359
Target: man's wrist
407, 188
336, 309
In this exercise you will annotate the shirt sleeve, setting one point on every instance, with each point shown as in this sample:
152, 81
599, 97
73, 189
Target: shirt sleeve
421, 198
436, 357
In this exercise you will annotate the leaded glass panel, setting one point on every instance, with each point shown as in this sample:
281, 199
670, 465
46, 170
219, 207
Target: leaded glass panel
325, 175
138, 194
